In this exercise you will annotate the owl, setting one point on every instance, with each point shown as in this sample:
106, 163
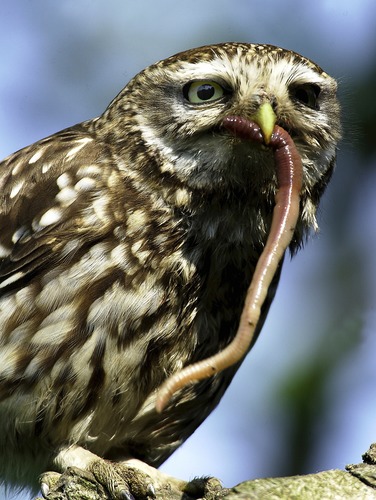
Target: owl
127, 246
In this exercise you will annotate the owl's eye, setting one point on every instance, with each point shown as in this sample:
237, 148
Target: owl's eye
306, 94
202, 91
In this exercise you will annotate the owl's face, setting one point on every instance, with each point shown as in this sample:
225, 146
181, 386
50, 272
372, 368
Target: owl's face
178, 106
174, 109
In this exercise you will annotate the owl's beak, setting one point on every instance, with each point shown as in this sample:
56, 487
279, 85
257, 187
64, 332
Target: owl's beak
265, 119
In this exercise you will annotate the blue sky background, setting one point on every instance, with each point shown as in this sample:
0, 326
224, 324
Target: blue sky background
62, 63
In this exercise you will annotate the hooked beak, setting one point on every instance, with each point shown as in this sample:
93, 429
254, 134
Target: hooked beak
265, 119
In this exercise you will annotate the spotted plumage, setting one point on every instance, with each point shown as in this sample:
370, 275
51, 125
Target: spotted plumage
127, 244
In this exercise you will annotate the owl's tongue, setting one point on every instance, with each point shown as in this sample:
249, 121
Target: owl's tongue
285, 215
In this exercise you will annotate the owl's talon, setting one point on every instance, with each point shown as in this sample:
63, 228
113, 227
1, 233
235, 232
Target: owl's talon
48, 482
72, 483
151, 490
45, 489
117, 481
125, 495
107, 474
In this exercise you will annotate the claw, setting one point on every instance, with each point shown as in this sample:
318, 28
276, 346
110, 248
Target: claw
45, 489
151, 490
48, 482
126, 495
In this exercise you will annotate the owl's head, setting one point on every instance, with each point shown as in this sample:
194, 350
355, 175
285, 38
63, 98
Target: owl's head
178, 106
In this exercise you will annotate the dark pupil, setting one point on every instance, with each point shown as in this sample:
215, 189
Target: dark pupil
205, 91
303, 96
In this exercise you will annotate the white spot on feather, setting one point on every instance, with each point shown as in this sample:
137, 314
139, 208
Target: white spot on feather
182, 197
8, 360
4, 251
16, 189
136, 221
66, 196
14, 277
46, 167
100, 208
80, 144
18, 233
52, 216
36, 155
85, 184
18, 168
88, 170
63, 180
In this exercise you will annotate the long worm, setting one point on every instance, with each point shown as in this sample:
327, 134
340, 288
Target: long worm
285, 216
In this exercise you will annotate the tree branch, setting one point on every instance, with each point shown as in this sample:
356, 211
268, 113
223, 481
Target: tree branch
357, 482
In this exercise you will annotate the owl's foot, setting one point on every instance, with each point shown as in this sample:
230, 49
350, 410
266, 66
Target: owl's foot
98, 479
104, 481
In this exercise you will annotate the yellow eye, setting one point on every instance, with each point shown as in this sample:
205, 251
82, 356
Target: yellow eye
202, 91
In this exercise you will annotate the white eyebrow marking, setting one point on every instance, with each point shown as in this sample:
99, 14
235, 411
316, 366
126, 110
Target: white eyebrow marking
81, 143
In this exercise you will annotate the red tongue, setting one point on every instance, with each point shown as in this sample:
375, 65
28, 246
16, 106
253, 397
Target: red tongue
285, 215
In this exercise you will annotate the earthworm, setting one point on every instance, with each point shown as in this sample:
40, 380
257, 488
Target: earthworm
285, 215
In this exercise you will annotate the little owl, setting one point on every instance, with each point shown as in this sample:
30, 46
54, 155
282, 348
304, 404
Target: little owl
127, 246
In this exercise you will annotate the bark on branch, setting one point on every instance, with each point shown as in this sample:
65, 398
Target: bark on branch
357, 482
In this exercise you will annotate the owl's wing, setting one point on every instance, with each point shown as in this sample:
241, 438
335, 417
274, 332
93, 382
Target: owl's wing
51, 203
